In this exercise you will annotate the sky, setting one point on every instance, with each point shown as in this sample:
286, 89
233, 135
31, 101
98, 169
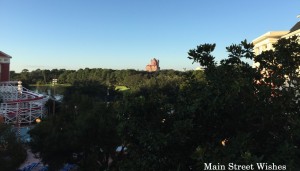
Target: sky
127, 34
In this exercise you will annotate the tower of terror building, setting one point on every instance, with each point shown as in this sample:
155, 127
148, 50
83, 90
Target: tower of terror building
153, 66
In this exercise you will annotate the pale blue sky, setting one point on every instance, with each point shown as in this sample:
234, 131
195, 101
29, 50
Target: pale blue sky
123, 34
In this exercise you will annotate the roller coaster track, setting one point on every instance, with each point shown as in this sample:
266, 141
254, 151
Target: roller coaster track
24, 107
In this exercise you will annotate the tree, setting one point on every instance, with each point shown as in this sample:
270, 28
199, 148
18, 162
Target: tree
230, 112
12, 152
244, 115
202, 54
24, 76
156, 129
82, 132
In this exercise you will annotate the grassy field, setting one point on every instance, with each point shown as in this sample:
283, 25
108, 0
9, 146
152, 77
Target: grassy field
121, 88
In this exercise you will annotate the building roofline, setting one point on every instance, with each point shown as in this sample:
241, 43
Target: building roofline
270, 34
295, 27
292, 33
2, 54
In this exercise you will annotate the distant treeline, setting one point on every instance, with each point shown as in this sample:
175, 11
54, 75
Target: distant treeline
109, 77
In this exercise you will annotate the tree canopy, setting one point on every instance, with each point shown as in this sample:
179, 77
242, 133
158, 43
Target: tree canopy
170, 120
12, 152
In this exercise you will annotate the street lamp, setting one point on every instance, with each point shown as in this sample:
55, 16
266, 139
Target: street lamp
54, 82
20, 90
38, 120
20, 87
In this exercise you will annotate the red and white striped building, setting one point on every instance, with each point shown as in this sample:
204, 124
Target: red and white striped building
18, 104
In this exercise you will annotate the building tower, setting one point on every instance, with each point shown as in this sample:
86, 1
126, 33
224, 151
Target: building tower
4, 66
153, 66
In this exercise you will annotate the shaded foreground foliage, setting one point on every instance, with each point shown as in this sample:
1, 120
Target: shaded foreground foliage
82, 132
254, 111
227, 113
12, 152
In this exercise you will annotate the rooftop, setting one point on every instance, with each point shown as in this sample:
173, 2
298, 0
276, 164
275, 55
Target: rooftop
2, 54
295, 27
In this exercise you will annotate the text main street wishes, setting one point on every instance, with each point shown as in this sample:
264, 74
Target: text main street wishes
233, 166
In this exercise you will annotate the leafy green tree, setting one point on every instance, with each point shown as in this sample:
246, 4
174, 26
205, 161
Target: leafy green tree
171, 120
24, 76
279, 87
202, 54
248, 115
12, 152
155, 129
14, 76
82, 132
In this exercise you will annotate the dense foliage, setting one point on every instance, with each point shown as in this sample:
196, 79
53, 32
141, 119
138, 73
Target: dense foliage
170, 120
12, 152
130, 78
82, 131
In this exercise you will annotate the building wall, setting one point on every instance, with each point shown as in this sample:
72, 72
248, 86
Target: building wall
266, 41
297, 33
4, 67
4, 72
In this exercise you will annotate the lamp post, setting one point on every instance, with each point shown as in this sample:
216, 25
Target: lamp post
54, 82
20, 89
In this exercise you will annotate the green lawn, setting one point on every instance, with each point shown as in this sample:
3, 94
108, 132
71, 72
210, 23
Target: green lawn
121, 88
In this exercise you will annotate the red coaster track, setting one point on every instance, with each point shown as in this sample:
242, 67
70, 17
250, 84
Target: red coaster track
24, 107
